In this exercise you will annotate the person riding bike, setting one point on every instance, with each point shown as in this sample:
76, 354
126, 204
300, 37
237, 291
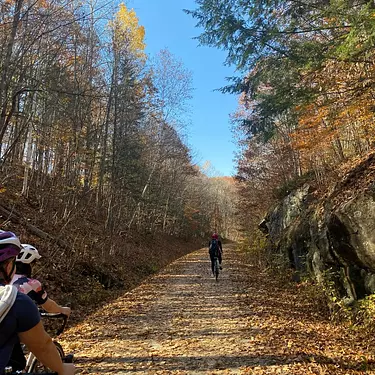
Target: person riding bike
19, 316
32, 287
215, 249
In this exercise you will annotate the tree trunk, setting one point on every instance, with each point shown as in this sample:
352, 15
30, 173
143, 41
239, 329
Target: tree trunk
5, 79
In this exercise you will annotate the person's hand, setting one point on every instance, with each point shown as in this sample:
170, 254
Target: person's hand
66, 310
69, 369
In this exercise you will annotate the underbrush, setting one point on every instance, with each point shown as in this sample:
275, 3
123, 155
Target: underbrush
357, 315
323, 296
84, 265
364, 317
293, 184
325, 299
254, 246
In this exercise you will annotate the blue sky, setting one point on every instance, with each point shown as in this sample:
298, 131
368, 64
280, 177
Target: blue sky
209, 134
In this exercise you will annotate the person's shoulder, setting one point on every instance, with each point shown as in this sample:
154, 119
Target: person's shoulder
24, 303
19, 279
23, 299
26, 312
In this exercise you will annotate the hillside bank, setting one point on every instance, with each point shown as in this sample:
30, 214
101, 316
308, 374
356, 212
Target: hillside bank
82, 265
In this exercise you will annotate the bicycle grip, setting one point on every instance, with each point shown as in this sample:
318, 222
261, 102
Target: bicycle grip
68, 358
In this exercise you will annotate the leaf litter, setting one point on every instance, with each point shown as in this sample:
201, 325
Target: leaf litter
182, 321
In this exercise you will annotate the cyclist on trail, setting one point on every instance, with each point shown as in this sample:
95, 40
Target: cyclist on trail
19, 316
215, 249
32, 287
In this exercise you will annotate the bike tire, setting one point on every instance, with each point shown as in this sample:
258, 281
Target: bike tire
37, 367
216, 270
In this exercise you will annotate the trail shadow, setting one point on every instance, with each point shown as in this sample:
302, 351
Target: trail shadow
180, 305
191, 363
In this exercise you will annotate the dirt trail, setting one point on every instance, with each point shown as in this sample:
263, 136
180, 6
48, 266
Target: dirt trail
184, 322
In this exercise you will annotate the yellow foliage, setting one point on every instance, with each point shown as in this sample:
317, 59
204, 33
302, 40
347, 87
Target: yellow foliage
127, 30
43, 4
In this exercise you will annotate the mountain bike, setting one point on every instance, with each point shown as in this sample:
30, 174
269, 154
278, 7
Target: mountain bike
33, 365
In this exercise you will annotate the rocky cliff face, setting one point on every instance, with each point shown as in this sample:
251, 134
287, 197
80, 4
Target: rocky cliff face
334, 234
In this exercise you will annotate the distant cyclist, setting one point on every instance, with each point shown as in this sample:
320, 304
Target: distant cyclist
215, 249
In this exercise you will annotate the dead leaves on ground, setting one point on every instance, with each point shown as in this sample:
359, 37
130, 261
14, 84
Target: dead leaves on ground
183, 322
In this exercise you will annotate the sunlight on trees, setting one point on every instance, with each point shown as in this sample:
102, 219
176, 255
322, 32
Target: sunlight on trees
89, 129
305, 86
127, 30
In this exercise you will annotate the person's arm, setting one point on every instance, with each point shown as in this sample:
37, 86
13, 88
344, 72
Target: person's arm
40, 296
52, 307
40, 343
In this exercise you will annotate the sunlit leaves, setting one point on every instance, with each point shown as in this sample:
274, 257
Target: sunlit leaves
127, 30
307, 84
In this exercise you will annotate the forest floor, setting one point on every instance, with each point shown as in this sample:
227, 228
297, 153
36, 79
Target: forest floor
182, 321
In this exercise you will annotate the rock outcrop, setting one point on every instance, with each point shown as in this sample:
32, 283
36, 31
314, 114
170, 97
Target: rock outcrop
333, 235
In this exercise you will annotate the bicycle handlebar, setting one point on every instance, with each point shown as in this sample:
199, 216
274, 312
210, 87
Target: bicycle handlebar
56, 316
53, 315
9, 371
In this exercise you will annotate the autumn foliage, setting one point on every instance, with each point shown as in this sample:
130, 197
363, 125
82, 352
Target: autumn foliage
92, 151
306, 104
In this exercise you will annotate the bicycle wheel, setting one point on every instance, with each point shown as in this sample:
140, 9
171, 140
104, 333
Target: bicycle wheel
216, 269
38, 368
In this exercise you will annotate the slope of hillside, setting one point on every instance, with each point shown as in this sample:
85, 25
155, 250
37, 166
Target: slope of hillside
81, 264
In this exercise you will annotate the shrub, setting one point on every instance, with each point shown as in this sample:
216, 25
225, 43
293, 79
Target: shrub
255, 245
